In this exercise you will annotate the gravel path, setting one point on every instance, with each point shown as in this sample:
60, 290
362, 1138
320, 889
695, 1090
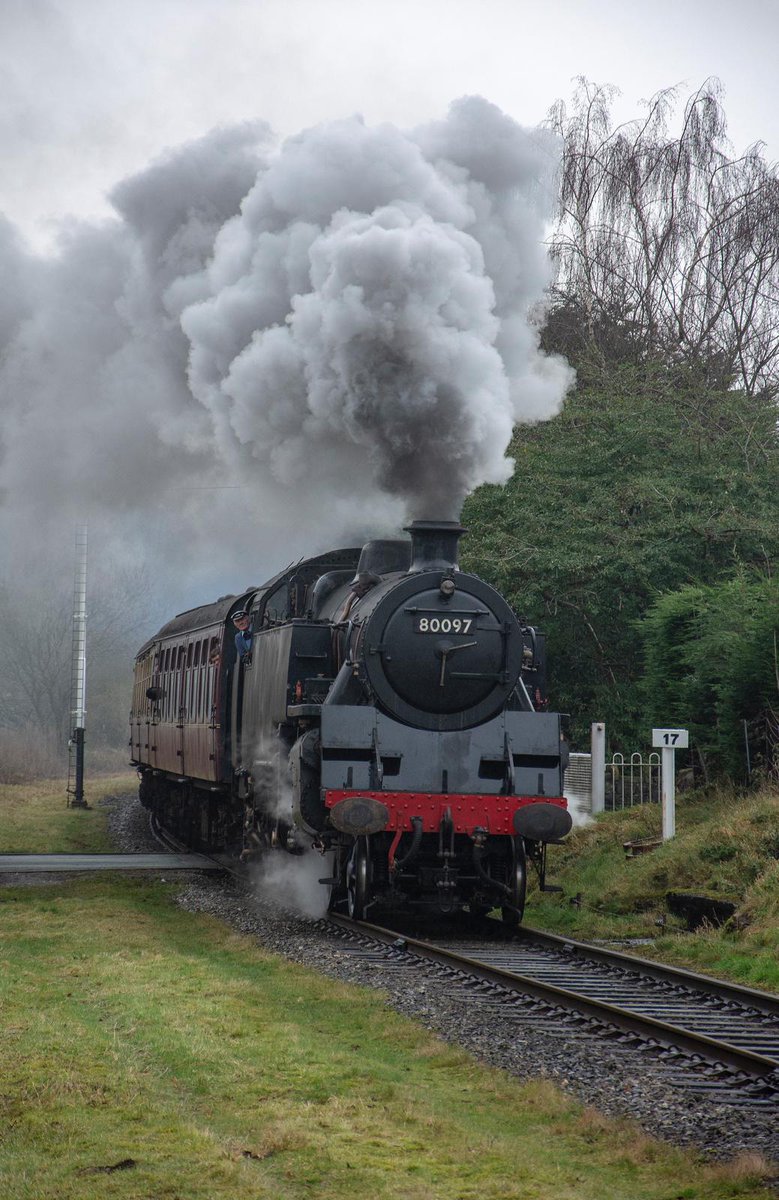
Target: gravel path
615, 1080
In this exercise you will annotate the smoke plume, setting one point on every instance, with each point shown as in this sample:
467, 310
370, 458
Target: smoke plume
366, 329
327, 337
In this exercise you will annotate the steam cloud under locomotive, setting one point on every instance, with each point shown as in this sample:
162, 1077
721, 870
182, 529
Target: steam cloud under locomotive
390, 710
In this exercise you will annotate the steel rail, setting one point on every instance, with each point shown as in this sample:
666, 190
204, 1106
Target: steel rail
764, 1002
109, 861
661, 1032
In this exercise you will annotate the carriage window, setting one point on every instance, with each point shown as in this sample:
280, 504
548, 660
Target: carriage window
201, 678
205, 675
197, 675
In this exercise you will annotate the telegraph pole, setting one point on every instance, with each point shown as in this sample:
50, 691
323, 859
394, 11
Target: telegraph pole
78, 674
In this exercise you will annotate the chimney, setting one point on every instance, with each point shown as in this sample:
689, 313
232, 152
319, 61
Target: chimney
434, 545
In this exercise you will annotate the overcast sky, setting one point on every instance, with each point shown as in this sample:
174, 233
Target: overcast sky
91, 90
97, 406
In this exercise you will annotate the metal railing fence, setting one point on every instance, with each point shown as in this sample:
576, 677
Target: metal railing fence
632, 780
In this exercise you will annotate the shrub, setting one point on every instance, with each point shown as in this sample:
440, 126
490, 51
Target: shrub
711, 666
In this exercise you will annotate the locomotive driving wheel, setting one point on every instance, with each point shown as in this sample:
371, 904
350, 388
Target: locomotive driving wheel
358, 871
513, 911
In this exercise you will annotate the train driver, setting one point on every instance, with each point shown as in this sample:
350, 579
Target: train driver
243, 634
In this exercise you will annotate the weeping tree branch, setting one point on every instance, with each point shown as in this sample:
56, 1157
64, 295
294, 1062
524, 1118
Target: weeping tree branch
667, 246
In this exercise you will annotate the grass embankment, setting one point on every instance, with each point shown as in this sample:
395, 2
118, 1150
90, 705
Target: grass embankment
148, 1052
726, 847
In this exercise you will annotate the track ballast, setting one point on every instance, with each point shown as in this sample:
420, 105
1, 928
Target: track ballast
720, 1039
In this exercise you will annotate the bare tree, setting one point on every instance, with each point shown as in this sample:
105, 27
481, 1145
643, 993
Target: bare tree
35, 643
36, 640
665, 245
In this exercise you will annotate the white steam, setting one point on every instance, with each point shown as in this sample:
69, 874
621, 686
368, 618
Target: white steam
338, 327
366, 330
292, 881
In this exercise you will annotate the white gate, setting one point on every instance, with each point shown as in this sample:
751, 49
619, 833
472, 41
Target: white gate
633, 780
629, 780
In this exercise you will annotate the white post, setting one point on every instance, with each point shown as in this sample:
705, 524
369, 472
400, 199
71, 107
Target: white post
598, 755
668, 768
669, 741
78, 671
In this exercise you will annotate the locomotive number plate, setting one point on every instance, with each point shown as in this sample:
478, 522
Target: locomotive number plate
443, 624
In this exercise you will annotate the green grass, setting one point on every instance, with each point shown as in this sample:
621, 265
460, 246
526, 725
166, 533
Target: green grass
35, 819
148, 1052
136, 1031
727, 847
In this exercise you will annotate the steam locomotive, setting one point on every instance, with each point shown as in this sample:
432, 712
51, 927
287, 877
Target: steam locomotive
391, 713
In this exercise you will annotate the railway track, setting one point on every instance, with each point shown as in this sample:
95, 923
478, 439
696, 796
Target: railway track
174, 846
715, 1037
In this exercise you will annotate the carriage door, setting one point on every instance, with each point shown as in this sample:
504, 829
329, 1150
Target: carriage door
153, 709
213, 709
139, 724
181, 706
